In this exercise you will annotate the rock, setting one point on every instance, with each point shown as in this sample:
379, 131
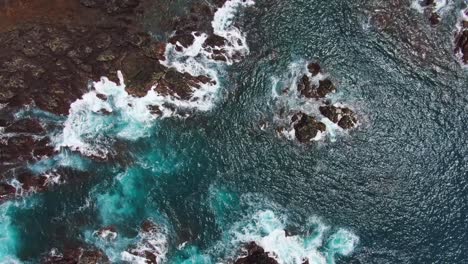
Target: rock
434, 19
6, 191
461, 40
256, 255
184, 39
155, 110
107, 233
306, 88
325, 87
343, 116
314, 68
306, 127
107, 55
77, 255
214, 41
25, 126
102, 96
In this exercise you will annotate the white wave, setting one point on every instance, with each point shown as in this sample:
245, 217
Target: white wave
94, 124
197, 58
268, 230
223, 26
150, 241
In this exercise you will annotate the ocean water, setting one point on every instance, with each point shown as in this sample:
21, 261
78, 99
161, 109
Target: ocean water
394, 190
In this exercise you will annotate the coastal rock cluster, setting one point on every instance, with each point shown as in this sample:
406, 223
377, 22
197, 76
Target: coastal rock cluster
461, 37
313, 88
50, 56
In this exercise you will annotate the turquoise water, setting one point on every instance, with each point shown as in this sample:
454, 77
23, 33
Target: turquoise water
392, 191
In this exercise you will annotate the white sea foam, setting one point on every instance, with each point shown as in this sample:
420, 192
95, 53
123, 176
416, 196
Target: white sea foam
94, 124
154, 242
267, 229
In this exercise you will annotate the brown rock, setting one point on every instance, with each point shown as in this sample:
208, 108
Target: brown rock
306, 127
256, 255
314, 68
325, 87
343, 116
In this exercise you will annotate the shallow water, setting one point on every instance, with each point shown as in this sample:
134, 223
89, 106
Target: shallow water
395, 190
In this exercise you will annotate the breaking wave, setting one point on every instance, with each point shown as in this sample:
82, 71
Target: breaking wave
108, 112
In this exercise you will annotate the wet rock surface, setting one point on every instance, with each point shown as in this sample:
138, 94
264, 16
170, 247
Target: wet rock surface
256, 255
461, 38
306, 127
85, 255
343, 116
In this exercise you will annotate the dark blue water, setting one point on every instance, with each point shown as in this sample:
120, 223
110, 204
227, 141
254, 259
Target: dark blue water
398, 182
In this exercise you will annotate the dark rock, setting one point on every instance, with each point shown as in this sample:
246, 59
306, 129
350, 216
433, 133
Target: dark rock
434, 19
306, 88
256, 255
306, 127
347, 122
215, 41
314, 68
461, 42
25, 126
325, 87
102, 96
343, 116
155, 110
77, 256
6, 191
184, 39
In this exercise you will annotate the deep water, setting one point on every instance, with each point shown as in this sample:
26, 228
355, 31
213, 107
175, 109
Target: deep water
396, 188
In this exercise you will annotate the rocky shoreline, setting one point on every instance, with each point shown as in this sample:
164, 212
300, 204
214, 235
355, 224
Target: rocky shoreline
52, 52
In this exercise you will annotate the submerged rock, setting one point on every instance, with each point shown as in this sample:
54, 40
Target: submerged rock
256, 255
107, 233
